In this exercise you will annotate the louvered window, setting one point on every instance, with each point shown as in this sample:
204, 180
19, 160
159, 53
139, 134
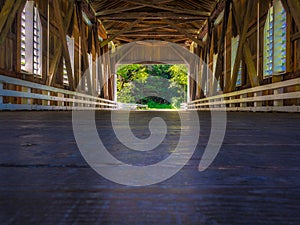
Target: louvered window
70, 44
31, 40
275, 40
234, 48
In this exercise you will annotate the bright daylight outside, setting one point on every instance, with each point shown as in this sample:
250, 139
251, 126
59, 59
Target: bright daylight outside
158, 86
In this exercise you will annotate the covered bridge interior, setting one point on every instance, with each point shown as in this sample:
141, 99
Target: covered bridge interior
58, 57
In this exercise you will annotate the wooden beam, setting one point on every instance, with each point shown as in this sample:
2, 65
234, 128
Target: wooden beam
206, 50
220, 58
242, 43
117, 10
296, 36
168, 8
152, 16
181, 30
9, 18
151, 34
96, 40
148, 28
105, 42
58, 52
124, 39
251, 67
104, 72
101, 30
110, 77
63, 35
5, 12
84, 50
252, 73
294, 8
114, 23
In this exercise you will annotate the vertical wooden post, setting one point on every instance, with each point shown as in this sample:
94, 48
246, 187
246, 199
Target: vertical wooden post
88, 70
58, 51
60, 103
231, 105
110, 77
258, 40
289, 45
257, 103
297, 88
84, 50
192, 82
243, 47
105, 73
221, 47
62, 34
280, 101
205, 70
1, 97
26, 101
44, 102
198, 76
243, 104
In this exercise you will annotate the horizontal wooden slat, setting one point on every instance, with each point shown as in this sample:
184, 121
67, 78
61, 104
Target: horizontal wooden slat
255, 109
28, 84
79, 101
42, 107
240, 98
291, 95
10, 93
278, 85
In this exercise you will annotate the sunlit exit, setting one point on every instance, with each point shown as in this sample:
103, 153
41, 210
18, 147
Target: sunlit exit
141, 86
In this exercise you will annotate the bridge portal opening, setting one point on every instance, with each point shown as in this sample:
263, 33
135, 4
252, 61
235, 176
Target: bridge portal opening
152, 86
166, 74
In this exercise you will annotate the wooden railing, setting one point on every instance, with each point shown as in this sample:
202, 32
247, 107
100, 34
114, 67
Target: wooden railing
16, 94
283, 96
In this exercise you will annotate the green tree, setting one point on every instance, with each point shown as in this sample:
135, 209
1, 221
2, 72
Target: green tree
178, 84
161, 70
179, 75
125, 93
132, 72
143, 83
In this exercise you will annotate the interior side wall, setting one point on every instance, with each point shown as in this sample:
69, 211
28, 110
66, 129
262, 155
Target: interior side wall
255, 40
85, 33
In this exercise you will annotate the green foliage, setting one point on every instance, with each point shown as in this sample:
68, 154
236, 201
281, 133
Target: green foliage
178, 83
179, 75
160, 70
124, 95
136, 81
154, 105
132, 72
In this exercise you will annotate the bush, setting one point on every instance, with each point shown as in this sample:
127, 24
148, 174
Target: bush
155, 105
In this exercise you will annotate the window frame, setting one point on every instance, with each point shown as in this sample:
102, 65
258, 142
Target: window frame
274, 44
71, 48
234, 48
31, 40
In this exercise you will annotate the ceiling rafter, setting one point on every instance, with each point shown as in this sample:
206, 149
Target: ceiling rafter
178, 21
168, 8
104, 43
151, 15
117, 10
181, 30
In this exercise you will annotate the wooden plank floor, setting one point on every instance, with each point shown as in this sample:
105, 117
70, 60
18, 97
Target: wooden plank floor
255, 178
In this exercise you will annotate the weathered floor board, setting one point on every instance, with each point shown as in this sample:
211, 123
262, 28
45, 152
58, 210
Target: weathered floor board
255, 178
